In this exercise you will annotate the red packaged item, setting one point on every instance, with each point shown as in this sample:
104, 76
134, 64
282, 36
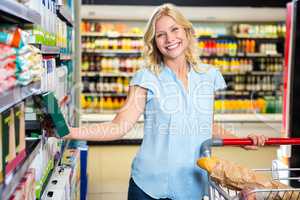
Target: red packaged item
13, 36
6, 51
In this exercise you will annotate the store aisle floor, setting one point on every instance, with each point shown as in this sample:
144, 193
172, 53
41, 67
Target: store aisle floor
109, 167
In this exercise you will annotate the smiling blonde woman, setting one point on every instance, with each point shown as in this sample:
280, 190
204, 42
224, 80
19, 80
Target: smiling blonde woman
176, 95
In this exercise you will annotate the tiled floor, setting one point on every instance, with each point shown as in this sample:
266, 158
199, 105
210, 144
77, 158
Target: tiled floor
109, 167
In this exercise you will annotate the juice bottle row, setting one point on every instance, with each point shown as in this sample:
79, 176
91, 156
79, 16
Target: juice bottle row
117, 85
210, 47
92, 44
93, 63
230, 64
240, 65
255, 83
92, 104
271, 64
259, 30
260, 105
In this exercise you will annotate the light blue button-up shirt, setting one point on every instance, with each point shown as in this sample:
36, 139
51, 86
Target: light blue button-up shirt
176, 122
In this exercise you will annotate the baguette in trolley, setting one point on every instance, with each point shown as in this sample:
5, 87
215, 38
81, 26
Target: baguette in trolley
227, 174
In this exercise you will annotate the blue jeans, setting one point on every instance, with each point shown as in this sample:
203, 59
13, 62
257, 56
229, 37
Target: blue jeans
136, 193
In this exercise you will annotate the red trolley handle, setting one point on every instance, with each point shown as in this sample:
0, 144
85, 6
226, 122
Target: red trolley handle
205, 149
270, 141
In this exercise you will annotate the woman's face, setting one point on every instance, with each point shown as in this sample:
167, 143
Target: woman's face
170, 38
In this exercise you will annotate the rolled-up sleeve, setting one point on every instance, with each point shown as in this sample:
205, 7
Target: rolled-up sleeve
145, 79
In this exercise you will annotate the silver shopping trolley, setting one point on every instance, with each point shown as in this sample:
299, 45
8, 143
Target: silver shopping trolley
218, 192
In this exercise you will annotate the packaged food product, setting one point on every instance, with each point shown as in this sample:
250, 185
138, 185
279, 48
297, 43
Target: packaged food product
13, 36
238, 177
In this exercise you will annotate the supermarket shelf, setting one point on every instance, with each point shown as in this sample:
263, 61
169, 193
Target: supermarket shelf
252, 73
259, 118
111, 35
249, 55
65, 14
113, 52
266, 73
237, 37
65, 56
12, 11
18, 94
248, 93
118, 74
232, 92
257, 37
49, 49
105, 94
7, 190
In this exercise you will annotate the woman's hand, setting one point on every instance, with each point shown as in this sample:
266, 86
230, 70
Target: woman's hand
71, 133
258, 141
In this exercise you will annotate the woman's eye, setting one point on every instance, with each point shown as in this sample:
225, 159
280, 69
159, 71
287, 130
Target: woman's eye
159, 35
175, 29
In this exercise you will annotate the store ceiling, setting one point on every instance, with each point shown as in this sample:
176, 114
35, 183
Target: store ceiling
228, 3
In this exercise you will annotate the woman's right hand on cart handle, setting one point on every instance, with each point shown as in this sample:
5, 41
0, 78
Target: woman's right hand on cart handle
120, 125
258, 141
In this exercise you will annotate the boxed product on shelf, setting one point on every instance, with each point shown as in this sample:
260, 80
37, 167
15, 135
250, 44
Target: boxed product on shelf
12, 133
53, 119
48, 80
71, 158
59, 185
26, 188
19, 115
61, 81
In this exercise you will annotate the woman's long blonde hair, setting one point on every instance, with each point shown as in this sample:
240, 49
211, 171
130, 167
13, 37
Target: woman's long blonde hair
153, 57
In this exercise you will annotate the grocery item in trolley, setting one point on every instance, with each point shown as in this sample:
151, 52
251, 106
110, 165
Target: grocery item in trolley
236, 176
230, 181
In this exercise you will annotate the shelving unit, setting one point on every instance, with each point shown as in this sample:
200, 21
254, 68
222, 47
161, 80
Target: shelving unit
113, 52
15, 12
56, 57
110, 37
